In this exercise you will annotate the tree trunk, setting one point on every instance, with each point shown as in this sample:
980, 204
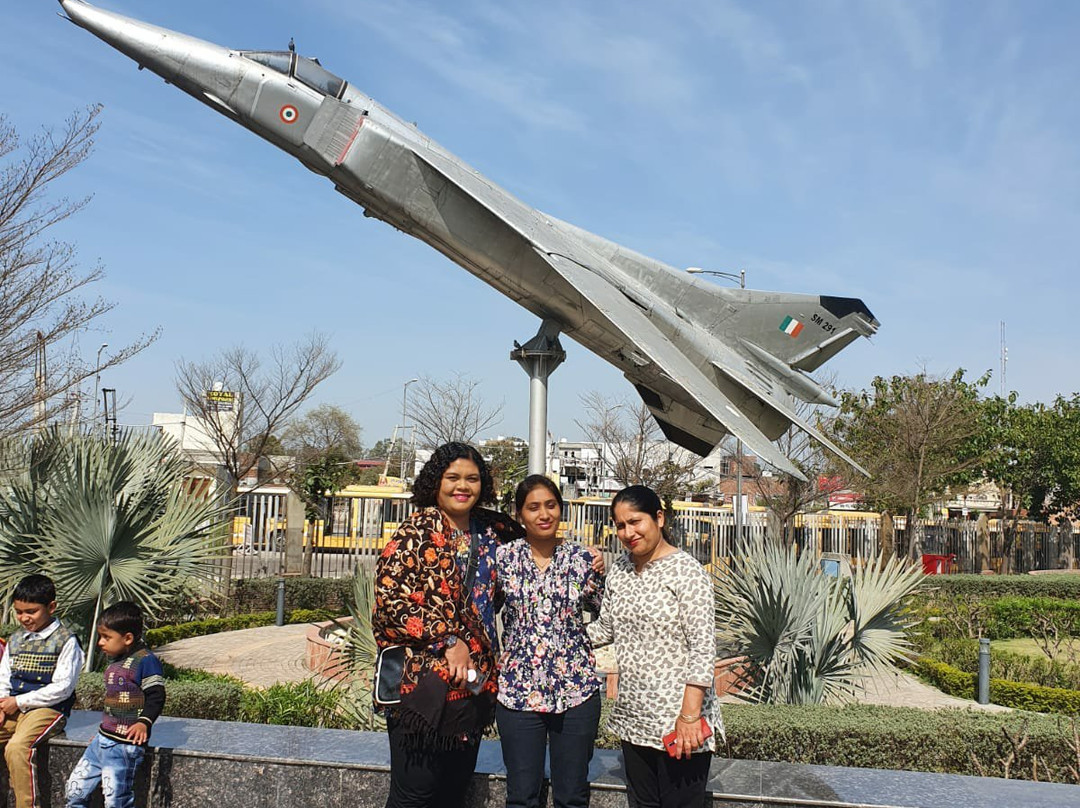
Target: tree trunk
982, 531
886, 536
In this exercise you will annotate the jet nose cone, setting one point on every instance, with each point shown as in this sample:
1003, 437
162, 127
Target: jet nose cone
192, 64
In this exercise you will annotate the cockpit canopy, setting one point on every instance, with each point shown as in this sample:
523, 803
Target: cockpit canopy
308, 71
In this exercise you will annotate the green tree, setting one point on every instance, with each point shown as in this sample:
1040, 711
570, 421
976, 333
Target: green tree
106, 520
917, 436
389, 449
323, 444
1039, 460
508, 461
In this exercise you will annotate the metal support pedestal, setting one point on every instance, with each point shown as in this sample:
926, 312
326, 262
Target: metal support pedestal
539, 357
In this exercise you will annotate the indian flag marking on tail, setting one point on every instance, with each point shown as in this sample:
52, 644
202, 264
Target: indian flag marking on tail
791, 327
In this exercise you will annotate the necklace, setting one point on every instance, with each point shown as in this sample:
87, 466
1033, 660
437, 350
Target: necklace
542, 562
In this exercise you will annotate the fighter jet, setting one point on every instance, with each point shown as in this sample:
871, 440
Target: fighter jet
708, 361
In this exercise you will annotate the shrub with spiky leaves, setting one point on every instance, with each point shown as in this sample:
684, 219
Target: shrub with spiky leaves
810, 638
107, 520
358, 653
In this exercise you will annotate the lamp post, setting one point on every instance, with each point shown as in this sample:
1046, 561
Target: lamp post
741, 278
404, 401
97, 378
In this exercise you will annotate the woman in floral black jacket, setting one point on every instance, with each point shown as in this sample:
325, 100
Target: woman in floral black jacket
435, 595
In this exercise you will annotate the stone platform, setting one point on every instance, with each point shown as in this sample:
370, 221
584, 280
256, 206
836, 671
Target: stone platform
206, 764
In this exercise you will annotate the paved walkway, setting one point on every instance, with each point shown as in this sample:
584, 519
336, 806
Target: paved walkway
259, 656
265, 656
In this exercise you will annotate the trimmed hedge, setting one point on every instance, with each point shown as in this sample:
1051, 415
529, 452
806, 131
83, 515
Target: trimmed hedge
1036, 670
217, 698
215, 625
900, 738
1018, 695
865, 736
1018, 616
260, 594
946, 616
1064, 587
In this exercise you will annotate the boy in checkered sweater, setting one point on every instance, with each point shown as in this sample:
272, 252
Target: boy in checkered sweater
134, 698
38, 673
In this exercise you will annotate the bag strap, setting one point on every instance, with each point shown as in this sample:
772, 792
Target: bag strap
474, 559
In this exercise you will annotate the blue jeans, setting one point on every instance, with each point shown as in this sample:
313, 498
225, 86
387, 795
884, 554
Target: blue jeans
568, 737
113, 765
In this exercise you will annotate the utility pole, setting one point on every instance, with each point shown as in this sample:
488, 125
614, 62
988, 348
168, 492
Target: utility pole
1004, 360
404, 402
97, 378
108, 395
40, 382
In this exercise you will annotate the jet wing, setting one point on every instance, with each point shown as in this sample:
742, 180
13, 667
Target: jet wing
746, 380
626, 318
622, 315
526, 221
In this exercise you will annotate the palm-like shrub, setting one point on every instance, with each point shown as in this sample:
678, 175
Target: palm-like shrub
809, 638
358, 653
106, 520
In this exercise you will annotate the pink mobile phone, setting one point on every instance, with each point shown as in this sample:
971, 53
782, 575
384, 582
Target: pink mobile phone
669, 739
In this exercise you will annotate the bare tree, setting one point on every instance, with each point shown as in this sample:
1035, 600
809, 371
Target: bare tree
40, 281
785, 495
450, 410
242, 402
632, 448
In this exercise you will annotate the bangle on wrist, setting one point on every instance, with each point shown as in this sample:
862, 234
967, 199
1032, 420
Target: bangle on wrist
689, 719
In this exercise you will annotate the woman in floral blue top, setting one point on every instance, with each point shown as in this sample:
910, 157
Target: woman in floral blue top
549, 693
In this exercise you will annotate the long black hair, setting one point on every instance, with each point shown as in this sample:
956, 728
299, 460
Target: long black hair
426, 488
526, 486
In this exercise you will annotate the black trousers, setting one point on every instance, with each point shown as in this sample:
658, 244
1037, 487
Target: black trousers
427, 778
654, 779
568, 737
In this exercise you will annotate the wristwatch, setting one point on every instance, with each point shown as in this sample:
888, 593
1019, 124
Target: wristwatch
450, 642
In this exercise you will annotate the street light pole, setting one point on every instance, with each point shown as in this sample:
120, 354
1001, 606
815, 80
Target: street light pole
404, 401
741, 278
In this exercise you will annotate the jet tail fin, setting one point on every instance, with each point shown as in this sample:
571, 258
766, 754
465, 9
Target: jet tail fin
802, 331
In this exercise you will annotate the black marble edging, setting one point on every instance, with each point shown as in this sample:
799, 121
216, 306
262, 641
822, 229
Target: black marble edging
202, 763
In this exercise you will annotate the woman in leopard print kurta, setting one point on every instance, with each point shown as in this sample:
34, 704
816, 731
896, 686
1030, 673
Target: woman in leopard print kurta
658, 611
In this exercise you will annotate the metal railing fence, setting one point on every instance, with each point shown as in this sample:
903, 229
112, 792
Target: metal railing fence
356, 528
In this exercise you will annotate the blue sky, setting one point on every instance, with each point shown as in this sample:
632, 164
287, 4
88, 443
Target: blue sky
922, 156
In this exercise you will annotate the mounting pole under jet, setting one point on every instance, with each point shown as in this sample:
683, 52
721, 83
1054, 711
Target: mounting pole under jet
708, 361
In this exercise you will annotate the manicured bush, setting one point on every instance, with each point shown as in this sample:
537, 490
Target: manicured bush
166, 634
1018, 695
1020, 616
943, 615
1064, 587
260, 594
1037, 670
217, 698
899, 738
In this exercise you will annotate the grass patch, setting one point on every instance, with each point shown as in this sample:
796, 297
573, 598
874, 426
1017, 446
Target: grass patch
1025, 646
